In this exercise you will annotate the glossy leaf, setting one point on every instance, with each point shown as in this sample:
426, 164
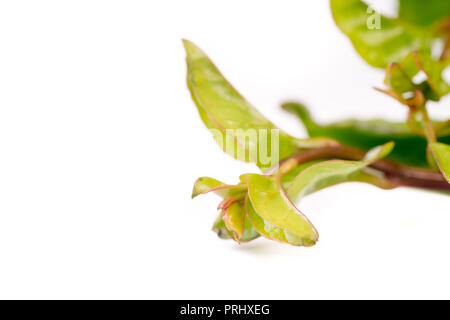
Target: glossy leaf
441, 153
237, 127
410, 148
270, 202
379, 40
327, 173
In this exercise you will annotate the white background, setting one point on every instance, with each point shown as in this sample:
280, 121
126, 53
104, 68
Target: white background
100, 145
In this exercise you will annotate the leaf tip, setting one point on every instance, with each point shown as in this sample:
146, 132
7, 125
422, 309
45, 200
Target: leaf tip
388, 147
380, 152
297, 109
196, 190
186, 42
309, 242
195, 193
192, 51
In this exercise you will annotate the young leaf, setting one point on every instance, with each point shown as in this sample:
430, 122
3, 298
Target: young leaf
366, 175
332, 172
379, 40
221, 229
238, 128
270, 202
441, 153
205, 184
234, 216
223, 232
410, 148
372, 177
250, 233
271, 231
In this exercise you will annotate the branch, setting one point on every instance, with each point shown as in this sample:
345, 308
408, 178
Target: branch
398, 174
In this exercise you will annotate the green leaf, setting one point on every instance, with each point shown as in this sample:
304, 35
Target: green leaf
423, 12
400, 77
271, 231
223, 232
237, 127
441, 153
328, 173
204, 185
379, 40
369, 176
234, 217
250, 233
410, 148
269, 207
231, 223
220, 228
279, 215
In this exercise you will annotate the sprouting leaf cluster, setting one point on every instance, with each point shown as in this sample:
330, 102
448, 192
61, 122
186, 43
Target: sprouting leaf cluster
413, 49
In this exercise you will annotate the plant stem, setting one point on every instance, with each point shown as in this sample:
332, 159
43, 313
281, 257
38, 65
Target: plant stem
397, 174
428, 125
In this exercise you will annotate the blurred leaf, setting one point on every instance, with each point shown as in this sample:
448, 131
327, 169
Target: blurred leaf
410, 148
328, 173
279, 218
379, 40
400, 76
423, 12
441, 152
238, 128
366, 175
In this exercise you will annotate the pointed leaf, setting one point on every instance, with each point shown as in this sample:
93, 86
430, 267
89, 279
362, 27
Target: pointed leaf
237, 127
327, 173
205, 184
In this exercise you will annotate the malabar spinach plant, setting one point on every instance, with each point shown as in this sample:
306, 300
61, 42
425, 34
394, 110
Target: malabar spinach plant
413, 48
